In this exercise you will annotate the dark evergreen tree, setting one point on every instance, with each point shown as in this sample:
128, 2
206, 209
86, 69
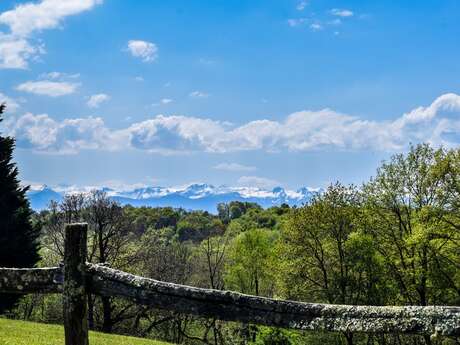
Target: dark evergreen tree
18, 237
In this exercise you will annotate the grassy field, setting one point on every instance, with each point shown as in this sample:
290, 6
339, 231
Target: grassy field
29, 333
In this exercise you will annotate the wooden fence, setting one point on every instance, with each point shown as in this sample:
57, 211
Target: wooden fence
77, 278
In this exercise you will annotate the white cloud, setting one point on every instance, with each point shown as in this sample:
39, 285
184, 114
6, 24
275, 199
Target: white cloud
316, 27
16, 48
43, 134
301, 5
47, 14
174, 134
59, 76
256, 181
199, 94
16, 52
166, 101
437, 123
336, 21
96, 100
48, 88
51, 75
293, 22
234, 167
341, 12
147, 51
447, 102
139, 78
11, 104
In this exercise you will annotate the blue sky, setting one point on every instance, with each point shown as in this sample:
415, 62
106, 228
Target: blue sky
291, 93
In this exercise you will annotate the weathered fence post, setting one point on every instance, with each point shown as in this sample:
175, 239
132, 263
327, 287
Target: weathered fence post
74, 294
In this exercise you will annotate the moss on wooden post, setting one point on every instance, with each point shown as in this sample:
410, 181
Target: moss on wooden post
74, 294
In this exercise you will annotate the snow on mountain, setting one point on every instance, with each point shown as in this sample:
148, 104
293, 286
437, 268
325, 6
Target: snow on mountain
41, 196
198, 190
198, 196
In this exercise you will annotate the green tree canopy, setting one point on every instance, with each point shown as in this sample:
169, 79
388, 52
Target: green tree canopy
250, 266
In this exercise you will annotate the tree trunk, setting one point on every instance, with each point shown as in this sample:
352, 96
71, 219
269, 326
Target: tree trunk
427, 339
90, 312
349, 338
107, 324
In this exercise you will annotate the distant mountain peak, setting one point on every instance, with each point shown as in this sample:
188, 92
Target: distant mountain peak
39, 188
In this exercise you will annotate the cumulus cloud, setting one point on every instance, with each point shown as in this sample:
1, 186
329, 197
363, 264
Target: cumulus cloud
173, 134
44, 134
16, 47
341, 12
48, 88
198, 94
256, 181
16, 52
234, 167
96, 100
47, 14
305, 130
147, 51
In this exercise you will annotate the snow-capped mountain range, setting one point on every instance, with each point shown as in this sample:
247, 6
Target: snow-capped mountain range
199, 196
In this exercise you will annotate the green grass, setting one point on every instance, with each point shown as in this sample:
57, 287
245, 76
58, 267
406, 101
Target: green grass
29, 333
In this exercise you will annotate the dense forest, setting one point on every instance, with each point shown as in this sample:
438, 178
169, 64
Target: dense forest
395, 240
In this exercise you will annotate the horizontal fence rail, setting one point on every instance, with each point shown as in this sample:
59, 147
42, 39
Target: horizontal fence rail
76, 278
232, 306
31, 280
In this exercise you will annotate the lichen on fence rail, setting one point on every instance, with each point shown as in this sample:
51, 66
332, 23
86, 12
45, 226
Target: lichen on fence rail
232, 306
31, 280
